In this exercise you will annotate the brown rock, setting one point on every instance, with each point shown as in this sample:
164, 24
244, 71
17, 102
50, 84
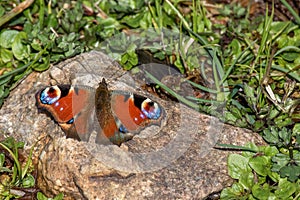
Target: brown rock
174, 161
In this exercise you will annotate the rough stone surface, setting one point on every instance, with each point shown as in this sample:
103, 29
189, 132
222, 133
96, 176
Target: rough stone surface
174, 161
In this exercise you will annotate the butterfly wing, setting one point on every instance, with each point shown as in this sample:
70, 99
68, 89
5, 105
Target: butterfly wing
120, 114
70, 107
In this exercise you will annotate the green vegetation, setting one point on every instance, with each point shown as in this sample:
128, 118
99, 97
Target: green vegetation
16, 179
257, 178
40, 196
13, 174
249, 65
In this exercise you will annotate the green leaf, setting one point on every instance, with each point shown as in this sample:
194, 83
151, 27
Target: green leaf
134, 60
285, 189
237, 165
133, 20
258, 125
42, 66
4, 91
36, 45
273, 113
229, 117
261, 192
235, 47
5, 169
285, 135
160, 55
270, 151
296, 129
274, 176
250, 119
236, 112
260, 164
71, 37
291, 172
290, 56
60, 196
2, 11
44, 39
7, 38
283, 120
124, 58
280, 160
11, 143
2, 159
41, 196
250, 95
6, 55
246, 180
52, 21
236, 191
271, 135
20, 50
28, 181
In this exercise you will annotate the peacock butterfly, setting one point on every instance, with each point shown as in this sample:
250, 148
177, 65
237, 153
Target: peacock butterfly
119, 114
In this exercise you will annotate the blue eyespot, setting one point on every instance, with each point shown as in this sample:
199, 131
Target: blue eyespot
123, 129
50, 95
151, 109
71, 121
153, 113
45, 99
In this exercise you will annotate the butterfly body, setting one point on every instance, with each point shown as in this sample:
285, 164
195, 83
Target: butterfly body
120, 114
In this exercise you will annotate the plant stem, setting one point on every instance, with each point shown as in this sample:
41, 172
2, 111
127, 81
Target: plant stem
19, 170
17, 10
292, 11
